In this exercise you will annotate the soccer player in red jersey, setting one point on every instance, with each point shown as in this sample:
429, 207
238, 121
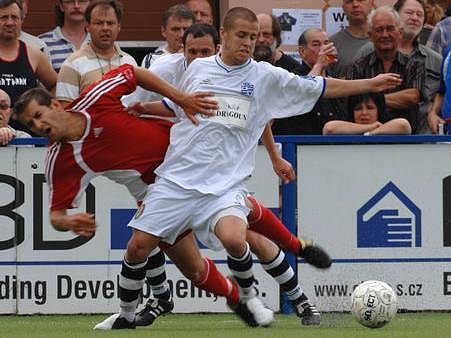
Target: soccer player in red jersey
69, 170
89, 134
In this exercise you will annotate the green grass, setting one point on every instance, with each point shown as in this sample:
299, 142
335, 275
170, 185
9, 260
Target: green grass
411, 325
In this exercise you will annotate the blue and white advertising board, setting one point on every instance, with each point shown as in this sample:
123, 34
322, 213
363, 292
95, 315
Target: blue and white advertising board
46, 271
379, 211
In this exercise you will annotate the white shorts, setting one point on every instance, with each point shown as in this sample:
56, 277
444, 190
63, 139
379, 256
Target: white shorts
169, 210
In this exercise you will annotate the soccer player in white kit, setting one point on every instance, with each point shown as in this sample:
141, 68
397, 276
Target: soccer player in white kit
201, 183
202, 40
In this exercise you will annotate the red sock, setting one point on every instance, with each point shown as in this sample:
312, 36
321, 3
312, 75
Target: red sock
263, 221
217, 284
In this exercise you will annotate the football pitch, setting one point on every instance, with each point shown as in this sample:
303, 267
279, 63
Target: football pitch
426, 324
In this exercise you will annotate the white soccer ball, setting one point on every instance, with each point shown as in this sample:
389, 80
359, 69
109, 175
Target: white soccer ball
374, 303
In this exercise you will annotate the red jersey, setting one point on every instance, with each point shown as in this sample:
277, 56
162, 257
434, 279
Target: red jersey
122, 147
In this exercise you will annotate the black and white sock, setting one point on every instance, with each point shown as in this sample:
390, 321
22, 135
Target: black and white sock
283, 273
156, 275
241, 268
131, 282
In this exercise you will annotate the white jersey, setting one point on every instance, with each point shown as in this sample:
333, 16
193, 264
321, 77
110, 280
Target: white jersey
152, 56
220, 152
168, 67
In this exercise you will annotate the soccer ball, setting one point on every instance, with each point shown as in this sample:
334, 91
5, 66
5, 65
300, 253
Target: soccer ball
373, 303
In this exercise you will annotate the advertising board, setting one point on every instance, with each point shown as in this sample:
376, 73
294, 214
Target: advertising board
379, 211
46, 271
